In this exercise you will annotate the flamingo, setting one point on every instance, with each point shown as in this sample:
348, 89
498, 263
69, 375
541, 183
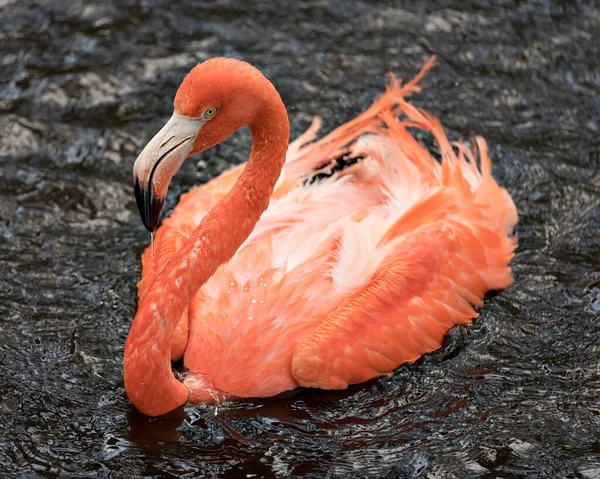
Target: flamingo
317, 264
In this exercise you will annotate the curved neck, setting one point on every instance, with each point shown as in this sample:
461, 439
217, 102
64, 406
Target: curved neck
149, 380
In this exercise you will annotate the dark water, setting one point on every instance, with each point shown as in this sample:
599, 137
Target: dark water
83, 85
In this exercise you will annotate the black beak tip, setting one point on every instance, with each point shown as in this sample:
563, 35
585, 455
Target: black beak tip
149, 206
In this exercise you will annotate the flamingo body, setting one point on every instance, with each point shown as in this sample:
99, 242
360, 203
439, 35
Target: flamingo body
346, 275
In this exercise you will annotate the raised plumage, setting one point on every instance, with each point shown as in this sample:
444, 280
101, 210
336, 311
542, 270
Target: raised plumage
323, 264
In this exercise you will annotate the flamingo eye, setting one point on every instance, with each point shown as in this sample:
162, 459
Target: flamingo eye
209, 113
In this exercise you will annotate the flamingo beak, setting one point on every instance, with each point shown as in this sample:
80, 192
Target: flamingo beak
158, 162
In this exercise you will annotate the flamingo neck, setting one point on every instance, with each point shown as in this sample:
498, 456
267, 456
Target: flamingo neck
149, 380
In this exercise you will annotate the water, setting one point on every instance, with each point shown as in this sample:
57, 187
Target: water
83, 86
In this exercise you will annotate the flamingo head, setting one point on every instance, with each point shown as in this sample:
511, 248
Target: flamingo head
217, 98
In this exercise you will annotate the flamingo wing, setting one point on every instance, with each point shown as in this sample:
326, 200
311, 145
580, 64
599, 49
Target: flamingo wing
445, 252
433, 279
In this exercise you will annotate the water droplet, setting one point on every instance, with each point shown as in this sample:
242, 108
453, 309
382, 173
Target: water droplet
250, 318
253, 301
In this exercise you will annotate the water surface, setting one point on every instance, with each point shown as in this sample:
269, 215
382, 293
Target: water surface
83, 86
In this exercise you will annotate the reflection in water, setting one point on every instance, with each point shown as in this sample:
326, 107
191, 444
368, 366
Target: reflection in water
83, 86
152, 433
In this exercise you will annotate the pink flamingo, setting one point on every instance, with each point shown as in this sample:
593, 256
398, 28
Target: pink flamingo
273, 276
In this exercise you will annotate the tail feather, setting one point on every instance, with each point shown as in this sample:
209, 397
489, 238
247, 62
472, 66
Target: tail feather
459, 190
